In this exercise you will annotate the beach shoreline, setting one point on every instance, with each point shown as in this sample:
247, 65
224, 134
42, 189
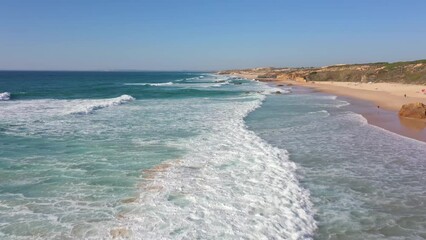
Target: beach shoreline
379, 103
379, 107
390, 96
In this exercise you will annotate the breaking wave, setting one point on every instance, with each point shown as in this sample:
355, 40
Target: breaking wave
90, 106
231, 184
4, 96
149, 84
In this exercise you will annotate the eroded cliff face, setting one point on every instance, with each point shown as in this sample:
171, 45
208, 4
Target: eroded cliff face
402, 72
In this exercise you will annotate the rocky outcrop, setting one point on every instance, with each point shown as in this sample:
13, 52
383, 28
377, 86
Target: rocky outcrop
413, 110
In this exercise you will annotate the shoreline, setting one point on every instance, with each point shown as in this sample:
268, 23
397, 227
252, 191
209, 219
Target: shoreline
379, 103
366, 102
390, 96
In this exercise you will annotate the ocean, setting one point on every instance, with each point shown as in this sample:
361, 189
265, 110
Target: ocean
190, 155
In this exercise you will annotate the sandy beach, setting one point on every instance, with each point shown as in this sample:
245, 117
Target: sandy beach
390, 96
379, 103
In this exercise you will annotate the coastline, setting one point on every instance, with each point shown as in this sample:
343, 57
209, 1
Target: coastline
379, 107
379, 103
389, 96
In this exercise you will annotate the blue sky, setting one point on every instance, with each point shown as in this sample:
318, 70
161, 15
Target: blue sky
207, 35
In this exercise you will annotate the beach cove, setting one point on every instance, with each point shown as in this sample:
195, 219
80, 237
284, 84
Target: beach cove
378, 101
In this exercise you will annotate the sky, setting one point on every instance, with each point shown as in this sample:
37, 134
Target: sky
207, 34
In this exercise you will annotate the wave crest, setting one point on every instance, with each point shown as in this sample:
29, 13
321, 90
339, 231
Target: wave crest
91, 106
149, 84
230, 178
4, 96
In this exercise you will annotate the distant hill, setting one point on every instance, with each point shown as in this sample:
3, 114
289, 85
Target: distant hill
413, 72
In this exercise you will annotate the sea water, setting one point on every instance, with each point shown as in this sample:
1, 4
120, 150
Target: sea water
364, 182
142, 155
181, 155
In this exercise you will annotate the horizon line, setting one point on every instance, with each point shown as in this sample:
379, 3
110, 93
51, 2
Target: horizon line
187, 70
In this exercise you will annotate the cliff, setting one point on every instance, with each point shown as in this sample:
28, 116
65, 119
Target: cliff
413, 72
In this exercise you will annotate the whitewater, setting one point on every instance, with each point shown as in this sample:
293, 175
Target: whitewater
187, 155
164, 159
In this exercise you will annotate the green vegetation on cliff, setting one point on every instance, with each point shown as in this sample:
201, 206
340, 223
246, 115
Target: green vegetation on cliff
413, 72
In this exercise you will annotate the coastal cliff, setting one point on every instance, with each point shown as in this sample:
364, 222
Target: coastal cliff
413, 72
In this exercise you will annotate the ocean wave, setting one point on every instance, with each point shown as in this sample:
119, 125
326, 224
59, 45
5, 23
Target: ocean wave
320, 112
90, 106
149, 84
220, 83
342, 104
327, 97
4, 96
276, 91
226, 181
231, 183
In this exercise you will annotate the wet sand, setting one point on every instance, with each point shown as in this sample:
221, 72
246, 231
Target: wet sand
385, 95
386, 118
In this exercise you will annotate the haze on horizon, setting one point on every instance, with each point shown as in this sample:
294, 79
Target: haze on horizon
207, 35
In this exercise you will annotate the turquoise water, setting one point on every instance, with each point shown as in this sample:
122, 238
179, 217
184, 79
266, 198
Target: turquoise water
162, 155
181, 155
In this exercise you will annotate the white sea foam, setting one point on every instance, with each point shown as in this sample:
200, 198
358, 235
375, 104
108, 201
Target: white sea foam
342, 104
209, 78
321, 112
86, 107
230, 184
219, 83
279, 90
52, 116
331, 97
274, 90
149, 84
5, 96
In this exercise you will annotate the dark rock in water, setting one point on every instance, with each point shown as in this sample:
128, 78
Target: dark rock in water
278, 92
280, 85
413, 110
238, 83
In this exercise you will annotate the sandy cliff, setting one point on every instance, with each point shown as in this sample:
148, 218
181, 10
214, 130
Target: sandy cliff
400, 72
